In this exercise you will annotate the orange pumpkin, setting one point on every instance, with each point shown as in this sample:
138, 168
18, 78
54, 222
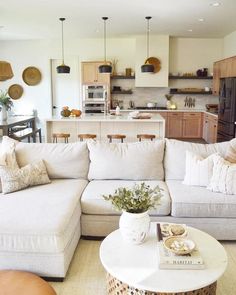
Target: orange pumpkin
76, 113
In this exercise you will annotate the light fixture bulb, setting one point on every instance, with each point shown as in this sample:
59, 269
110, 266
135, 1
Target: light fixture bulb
215, 4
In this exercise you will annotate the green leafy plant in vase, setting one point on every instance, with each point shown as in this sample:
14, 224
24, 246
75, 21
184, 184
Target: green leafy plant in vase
134, 203
5, 104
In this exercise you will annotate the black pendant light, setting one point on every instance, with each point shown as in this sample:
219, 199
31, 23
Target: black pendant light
147, 68
105, 68
62, 69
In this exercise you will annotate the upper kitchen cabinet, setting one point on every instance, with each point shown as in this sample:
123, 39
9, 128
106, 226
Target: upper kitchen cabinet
223, 69
91, 75
216, 78
159, 48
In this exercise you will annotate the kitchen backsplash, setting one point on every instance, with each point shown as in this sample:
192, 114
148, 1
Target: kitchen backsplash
142, 95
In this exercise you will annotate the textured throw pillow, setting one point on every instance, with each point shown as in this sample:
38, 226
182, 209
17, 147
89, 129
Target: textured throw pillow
224, 176
198, 171
14, 179
7, 155
231, 151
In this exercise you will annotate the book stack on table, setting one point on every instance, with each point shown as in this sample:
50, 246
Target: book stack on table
167, 259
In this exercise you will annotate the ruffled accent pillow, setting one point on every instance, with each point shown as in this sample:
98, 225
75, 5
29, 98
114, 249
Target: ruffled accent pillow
231, 151
198, 171
14, 179
224, 176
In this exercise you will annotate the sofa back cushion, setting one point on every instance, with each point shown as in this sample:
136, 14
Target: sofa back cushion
62, 160
175, 155
128, 161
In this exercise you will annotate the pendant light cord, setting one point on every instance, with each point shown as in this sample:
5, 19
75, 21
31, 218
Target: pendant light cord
148, 30
148, 38
105, 38
62, 39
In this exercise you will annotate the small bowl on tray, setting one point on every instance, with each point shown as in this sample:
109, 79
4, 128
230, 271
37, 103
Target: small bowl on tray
179, 245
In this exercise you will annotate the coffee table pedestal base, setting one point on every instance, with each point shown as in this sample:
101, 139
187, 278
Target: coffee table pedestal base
116, 287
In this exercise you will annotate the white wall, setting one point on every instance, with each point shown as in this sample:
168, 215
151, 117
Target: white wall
230, 45
189, 55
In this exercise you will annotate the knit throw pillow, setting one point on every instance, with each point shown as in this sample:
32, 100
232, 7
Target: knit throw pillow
224, 176
198, 171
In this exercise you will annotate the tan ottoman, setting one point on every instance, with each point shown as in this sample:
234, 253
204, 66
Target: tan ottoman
14, 282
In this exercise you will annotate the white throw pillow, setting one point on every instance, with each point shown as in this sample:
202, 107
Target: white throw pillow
198, 171
224, 176
14, 179
128, 161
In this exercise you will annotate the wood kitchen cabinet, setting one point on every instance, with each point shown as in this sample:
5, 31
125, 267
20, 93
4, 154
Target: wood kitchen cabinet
184, 125
216, 79
192, 125
91, 75
210, 128
174, 125
224, 68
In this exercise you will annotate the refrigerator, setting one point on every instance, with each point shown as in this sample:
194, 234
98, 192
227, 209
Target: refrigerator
227, 110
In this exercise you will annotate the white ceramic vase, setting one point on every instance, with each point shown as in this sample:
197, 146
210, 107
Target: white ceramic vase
3, 113
134, 227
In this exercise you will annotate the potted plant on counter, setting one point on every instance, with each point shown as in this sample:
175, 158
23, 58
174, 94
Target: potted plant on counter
134, 204
5, 104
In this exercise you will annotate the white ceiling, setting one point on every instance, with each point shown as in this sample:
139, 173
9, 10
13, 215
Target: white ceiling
38, 19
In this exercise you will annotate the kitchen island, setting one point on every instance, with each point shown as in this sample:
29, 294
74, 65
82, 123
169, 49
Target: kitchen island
101, 125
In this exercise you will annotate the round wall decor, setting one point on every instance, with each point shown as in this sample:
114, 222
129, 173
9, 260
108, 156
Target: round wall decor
155, 62
15, 91
31, 76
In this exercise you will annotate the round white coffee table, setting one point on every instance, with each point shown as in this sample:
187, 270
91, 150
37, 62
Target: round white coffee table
135, 267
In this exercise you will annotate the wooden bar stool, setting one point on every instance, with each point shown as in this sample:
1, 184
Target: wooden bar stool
82, 137
55, 136
116, 136
146, 136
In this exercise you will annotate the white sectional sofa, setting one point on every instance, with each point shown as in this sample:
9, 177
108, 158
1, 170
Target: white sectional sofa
41, 226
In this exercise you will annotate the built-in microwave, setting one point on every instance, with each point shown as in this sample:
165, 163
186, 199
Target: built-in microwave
94, 93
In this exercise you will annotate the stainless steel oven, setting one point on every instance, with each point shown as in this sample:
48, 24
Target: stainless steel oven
94, 92
95, 99
94, 108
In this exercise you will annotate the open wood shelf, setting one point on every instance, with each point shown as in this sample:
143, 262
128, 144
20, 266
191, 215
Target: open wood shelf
122, 92
191, 92
122, 77
191, 77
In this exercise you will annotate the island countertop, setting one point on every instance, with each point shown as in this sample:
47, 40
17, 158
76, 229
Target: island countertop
102, 125
106, 118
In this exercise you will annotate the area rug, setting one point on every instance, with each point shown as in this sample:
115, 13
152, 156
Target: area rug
86, 275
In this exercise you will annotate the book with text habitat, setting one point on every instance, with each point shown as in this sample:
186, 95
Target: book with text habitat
169, 260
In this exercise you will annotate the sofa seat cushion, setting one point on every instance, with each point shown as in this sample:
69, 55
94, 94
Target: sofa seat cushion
196, 201
40, 219
92, 201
